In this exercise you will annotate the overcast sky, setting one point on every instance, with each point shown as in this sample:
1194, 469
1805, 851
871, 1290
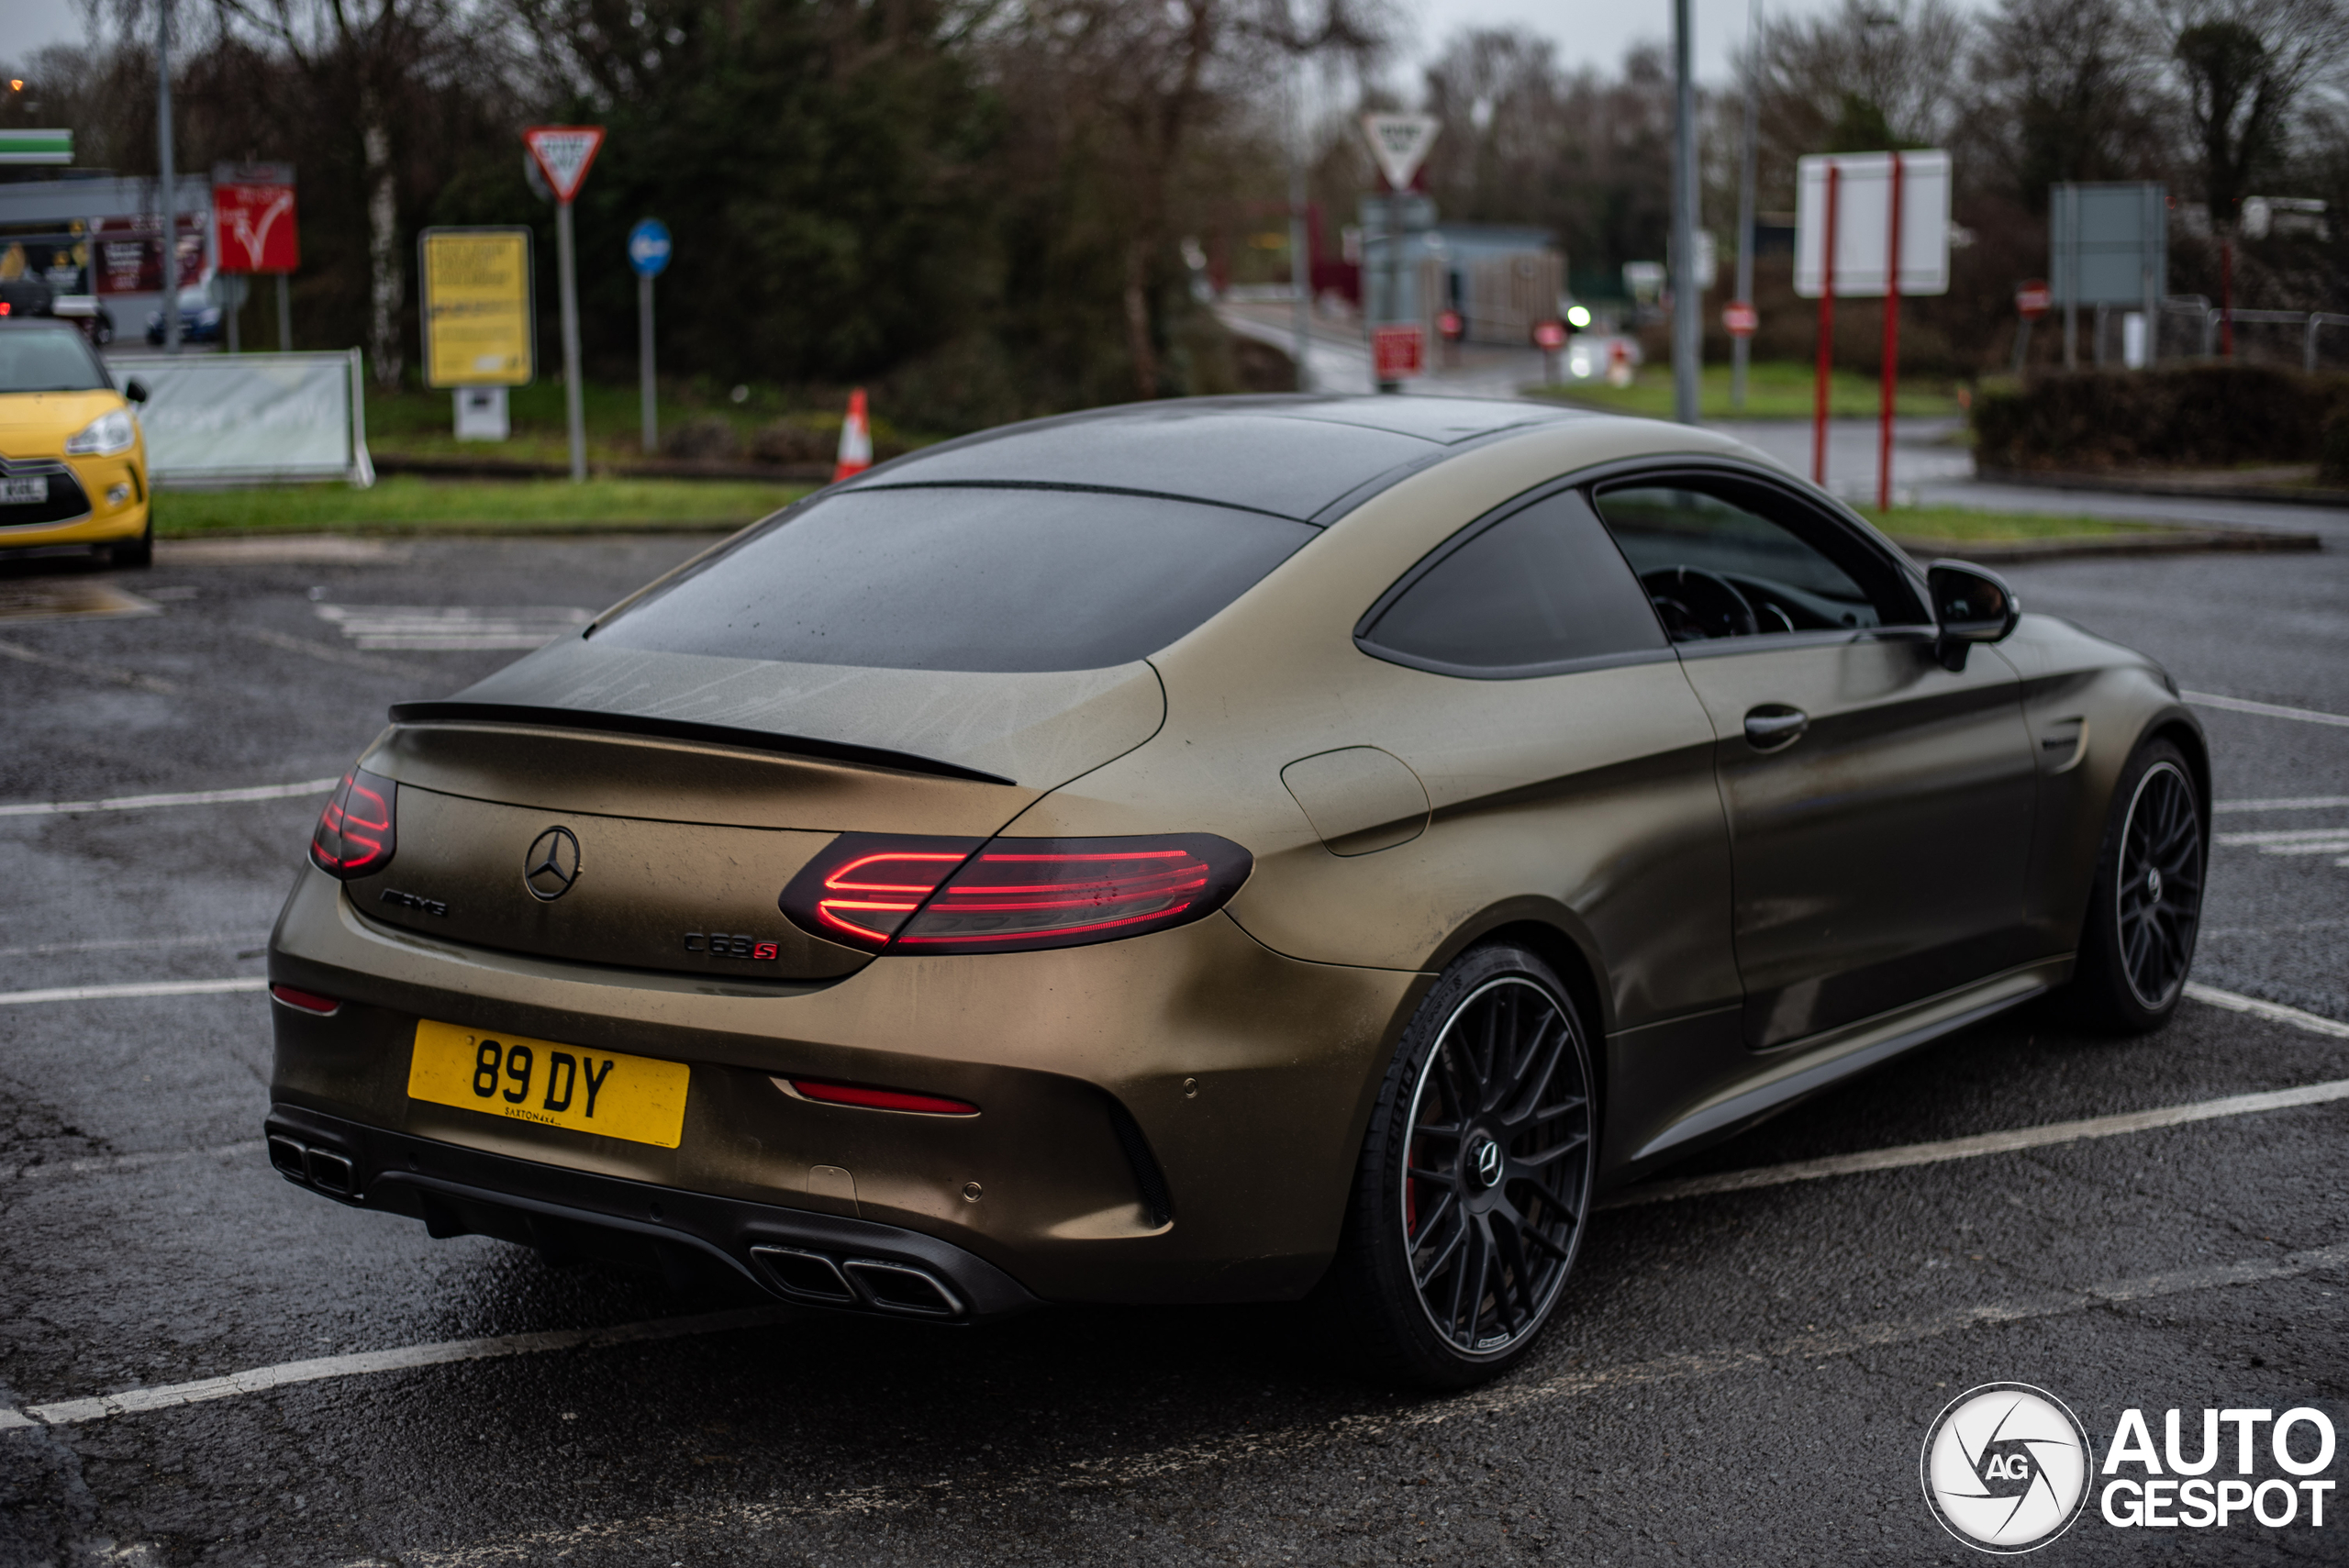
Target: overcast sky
1585, 32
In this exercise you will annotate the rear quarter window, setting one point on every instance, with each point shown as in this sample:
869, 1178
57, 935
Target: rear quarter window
964, 578
1541, 589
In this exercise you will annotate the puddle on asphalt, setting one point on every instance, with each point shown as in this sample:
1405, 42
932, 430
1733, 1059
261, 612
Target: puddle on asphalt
68, 598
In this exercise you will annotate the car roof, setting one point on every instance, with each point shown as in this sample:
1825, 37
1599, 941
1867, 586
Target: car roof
1304, 457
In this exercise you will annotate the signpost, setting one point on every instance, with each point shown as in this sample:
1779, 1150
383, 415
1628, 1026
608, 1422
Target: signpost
477, 320
2033, 300
2107, 244
648, 252
1739, 319
1399, 143
253, 231
1550, 336
563, 153
1869, 225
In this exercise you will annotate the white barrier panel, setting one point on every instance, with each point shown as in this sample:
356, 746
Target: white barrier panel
218, 419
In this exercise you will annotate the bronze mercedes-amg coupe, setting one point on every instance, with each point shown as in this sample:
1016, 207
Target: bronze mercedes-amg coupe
1210, 851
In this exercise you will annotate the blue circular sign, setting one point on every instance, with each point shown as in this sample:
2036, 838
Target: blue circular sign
647, 248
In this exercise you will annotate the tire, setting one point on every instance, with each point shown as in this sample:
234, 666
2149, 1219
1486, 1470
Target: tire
2145, 906
134, 553
1453, 1260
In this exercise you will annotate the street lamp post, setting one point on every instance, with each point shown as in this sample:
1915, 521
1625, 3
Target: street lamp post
1687, 346
1740, 345
168, 184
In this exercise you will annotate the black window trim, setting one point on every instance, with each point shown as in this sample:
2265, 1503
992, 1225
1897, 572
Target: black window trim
1654, 467
1832, 514
1442, 552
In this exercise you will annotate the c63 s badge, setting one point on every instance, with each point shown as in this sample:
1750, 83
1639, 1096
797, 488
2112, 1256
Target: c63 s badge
725, 944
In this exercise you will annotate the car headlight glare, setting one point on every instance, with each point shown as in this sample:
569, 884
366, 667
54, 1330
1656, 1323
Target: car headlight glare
108, 433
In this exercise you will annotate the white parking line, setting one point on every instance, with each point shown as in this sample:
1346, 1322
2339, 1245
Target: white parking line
133, 1401
2273, 1012
135, 989
89, 1164
2296, 803
2266, 709
190, 797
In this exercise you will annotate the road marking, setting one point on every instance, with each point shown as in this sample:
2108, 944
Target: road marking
128, 944
2287, 836
2268, 709
191, 798
453, 627
334, 655
2273, 1012
136, 1401
2006, 1142
2299, 803
19, 651
75, 597
137, 988
1055, 1481
110, 1162
1980, 1144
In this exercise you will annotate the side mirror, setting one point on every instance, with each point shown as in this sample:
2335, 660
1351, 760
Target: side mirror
134, 389
1970, 606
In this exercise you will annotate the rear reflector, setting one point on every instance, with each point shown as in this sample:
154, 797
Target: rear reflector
355, 837
308, 1001
1014, 895
877, 1099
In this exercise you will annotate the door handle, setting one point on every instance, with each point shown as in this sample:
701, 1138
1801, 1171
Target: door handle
1773, 726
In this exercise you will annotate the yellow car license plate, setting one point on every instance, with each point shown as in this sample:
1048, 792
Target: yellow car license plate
637, 1098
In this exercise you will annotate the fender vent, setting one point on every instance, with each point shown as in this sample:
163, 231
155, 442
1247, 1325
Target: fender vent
1150, 1182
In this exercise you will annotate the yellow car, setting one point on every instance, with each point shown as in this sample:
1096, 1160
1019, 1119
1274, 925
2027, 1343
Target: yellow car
73, 459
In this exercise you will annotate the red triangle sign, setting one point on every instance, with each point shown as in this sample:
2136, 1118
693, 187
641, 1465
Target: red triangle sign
563, 153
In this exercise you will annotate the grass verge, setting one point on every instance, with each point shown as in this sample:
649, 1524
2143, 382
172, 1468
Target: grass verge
1966, 525
404, 504
1775, 389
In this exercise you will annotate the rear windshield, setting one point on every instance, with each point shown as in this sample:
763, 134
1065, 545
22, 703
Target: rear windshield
960, 578
48, 358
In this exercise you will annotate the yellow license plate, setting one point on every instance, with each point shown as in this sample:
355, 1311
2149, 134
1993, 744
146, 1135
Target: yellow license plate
635, 1098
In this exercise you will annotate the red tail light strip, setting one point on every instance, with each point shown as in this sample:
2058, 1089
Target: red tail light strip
876, 1100
356, 833
1014, 894
308, 1001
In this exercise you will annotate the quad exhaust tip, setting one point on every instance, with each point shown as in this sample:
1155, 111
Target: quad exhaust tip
875, 1284
308, 1165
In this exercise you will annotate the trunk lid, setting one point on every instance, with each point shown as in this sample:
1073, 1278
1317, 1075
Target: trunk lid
691, 796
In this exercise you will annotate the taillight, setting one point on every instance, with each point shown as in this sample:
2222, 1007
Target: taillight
308, 1001
354, 835
1014, 894
877, 1099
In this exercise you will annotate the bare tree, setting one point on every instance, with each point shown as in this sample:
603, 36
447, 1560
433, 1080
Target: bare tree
2242, 67
2062, 92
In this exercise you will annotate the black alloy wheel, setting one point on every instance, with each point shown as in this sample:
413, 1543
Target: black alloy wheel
2159, 890
2146, 906
1476, 1179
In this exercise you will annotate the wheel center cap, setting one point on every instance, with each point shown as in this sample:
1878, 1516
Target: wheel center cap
2153, 883
1484, 1161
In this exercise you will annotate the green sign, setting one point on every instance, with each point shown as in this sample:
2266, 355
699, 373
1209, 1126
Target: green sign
35, 147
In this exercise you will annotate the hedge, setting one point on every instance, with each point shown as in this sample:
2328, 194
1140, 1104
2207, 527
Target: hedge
2202, 415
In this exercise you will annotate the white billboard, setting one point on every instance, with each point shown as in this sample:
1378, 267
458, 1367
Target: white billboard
220, 419
1864, 222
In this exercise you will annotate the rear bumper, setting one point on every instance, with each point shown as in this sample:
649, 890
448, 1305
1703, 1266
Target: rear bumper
1239, 1079
809, 1259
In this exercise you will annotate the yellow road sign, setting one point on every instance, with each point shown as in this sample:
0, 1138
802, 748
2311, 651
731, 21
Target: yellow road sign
476, 300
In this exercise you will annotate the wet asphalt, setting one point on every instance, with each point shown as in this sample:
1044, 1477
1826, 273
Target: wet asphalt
1741, 1377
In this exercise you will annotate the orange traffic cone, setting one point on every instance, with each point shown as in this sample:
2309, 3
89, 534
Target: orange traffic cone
856, 440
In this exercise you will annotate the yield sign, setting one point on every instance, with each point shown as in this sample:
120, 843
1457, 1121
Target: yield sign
563, 153
1400, 143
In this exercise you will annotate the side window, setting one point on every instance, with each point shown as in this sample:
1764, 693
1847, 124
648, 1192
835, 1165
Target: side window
1716, 564
1541, 586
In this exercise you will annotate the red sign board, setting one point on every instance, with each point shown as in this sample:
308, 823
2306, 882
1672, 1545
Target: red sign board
253, 217
1398, 352
563, 153
1550, 335
1741, 319
126, 253
2034, 299
1449, 324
